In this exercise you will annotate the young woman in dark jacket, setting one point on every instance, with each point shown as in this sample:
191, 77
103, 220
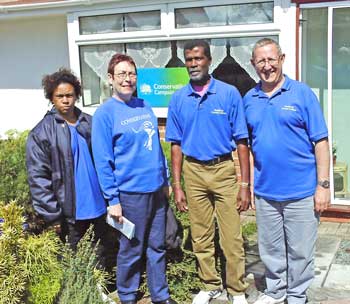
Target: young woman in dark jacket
61, 174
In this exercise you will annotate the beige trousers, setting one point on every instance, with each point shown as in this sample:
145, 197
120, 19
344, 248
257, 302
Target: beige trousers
211, 193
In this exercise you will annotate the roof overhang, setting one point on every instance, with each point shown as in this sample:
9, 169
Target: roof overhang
40, 8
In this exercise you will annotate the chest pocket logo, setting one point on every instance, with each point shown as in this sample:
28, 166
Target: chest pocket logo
289, 108
218, 112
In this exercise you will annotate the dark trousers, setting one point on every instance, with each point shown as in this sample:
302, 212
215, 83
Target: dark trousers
74, 233
147, 211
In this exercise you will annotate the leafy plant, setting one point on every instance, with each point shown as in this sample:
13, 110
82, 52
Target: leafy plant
249, 229
12, 277
42, 267
82, 280
13, 182
29, 269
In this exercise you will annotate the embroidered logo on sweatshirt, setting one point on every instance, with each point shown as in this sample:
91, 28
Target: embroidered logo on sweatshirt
147, 127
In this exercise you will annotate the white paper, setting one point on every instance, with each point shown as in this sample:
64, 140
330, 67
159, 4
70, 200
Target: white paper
127, 227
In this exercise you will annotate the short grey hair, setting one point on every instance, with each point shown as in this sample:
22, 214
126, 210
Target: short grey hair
266, 41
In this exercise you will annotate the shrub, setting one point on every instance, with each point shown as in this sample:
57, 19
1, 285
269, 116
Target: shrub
13, 172
81, 279
26, 262
12, 277
13, 182
249, 229
42, 267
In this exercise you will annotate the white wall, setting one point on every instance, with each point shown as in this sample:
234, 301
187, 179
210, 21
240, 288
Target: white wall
285, 16
29, 49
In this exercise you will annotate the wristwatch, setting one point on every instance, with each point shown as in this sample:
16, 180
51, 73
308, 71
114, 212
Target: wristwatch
324, 183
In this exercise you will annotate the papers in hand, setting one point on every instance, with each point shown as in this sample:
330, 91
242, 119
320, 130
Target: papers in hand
127, 227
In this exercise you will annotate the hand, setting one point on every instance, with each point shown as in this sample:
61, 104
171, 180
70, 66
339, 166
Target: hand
180, 199
252, 200
243, 199
167, 190
322, 199
117, 212
57, 228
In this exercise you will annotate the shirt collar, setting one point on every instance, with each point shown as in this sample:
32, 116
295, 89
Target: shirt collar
285, 87
211, 88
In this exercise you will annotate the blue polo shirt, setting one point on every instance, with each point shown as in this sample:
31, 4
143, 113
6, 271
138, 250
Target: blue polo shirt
208, 126
283, 129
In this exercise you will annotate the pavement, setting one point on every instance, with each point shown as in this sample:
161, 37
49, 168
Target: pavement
332, 268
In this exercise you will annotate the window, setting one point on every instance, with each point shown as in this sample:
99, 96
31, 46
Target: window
326, 68
127, 22
224, 15
230, 62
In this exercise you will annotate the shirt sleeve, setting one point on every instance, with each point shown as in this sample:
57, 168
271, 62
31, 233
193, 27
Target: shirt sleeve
237, 117
314, 119
173, 131
102, 149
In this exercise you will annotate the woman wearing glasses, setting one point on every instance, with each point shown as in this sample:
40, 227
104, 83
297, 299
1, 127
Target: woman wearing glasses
61, 174
132, 173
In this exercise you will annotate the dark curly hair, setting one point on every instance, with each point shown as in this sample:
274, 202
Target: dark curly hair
63, 75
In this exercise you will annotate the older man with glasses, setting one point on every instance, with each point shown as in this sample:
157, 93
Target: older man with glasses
289, 141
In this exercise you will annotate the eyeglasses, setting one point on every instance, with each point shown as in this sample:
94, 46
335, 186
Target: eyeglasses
61, 96
271, 61
123, 75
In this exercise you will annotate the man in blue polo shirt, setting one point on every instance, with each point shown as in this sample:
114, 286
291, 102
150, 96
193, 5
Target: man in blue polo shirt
205, 124
288, 138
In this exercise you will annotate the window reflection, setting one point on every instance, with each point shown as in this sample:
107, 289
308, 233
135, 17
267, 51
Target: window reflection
128, 22
261, 12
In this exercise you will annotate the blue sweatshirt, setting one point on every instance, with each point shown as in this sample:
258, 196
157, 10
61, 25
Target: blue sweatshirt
126, 148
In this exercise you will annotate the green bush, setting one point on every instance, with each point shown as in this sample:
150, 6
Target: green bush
42, 267
82, 280
26, 261
13, 182
249, 229
38, 269
12, 277
13, 172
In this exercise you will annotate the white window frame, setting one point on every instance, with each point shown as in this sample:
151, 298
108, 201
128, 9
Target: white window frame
169, 32
331, 6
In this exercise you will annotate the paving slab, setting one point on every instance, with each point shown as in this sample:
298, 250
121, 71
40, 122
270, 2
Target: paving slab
336, 302
326, 249
342, 230
338, 277
343, 254
254, 265
328, 295
332, 227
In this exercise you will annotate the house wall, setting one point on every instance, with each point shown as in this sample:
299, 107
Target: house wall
29, 49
